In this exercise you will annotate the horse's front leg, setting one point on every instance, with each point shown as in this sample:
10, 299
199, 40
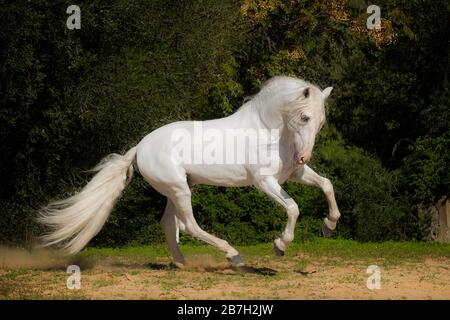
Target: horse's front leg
273, 189
306, 175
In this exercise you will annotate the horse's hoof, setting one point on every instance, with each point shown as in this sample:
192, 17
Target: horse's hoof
236, 261
327, 232
278, 251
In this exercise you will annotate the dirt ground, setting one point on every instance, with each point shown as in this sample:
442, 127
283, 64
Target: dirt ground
299, 276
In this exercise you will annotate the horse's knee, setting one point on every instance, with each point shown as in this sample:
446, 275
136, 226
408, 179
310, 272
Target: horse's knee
294, 213
292, 209
192, 228
327, 186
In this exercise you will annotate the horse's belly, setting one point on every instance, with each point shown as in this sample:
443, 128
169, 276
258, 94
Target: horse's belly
218, 175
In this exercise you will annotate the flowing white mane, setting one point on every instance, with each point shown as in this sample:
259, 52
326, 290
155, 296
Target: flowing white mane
277, 96
275, 88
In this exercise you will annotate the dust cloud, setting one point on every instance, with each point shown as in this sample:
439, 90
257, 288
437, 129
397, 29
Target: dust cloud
38, 258
205, 263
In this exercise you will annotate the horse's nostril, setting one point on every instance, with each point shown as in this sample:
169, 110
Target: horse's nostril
302, 160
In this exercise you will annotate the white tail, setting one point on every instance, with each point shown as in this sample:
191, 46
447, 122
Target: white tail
76, 220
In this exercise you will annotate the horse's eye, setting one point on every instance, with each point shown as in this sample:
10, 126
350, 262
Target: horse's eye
305, 118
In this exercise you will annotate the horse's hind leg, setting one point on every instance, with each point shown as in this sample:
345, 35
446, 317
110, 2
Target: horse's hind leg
182, 201
170, 228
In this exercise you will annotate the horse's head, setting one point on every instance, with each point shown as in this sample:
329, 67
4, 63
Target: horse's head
304, 116
296, 105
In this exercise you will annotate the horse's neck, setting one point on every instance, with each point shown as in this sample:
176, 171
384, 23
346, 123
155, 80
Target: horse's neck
243, 118
249, 116
287, 138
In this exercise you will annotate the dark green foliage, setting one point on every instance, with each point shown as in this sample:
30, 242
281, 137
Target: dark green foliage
371, 205
239, 216
427, 166
70, 97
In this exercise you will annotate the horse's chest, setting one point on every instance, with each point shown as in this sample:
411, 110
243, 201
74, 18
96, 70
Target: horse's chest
285, 171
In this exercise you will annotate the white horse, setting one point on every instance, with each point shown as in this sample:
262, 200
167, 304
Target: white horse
294, 108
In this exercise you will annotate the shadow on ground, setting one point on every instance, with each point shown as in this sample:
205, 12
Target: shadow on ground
214, 268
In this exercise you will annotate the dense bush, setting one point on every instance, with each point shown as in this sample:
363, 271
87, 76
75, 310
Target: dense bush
70, 97
368, 195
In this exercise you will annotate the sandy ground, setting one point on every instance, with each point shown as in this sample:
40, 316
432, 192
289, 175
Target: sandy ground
43, 276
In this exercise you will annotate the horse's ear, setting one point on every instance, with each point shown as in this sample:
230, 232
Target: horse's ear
304, 93
326, 92
299, 94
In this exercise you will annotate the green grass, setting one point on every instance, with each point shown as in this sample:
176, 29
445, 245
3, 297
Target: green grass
14, 273
104, 283
390, 252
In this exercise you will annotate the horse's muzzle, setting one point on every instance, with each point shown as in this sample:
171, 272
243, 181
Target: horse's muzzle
302, 158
